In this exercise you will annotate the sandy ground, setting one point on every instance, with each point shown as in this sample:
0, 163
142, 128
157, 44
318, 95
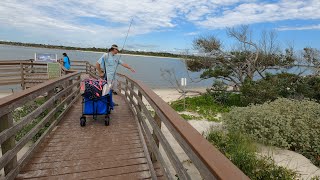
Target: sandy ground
4, 94
169, 95
291, 160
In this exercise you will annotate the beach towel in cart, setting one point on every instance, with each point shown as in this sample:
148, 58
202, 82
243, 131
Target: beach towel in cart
97, 99
93, 88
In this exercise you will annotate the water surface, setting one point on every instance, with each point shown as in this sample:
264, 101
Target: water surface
148, 69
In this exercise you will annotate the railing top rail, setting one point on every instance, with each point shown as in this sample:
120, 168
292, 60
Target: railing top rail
21, 62
16, 60
6, 104
32, 61
77, 61
215, 161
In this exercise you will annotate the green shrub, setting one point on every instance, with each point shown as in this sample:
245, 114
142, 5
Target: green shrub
315, 178
204, 105
226, 98
19, 113
242, 152
281, 85
285, 123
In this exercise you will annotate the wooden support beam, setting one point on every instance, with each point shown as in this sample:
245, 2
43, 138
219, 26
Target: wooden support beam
158, 122
6, 121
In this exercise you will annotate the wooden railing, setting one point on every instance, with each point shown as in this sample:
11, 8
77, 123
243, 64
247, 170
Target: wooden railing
58, 94
83, 66
86, 67
209, 161
24, 73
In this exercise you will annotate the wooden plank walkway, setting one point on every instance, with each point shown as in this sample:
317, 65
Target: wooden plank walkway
95, 151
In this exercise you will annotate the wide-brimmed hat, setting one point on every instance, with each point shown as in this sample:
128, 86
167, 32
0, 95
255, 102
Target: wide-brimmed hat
114, 46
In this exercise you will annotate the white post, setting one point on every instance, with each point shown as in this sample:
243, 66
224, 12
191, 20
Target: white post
184, 84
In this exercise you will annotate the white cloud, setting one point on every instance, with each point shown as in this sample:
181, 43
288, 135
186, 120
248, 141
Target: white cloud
102, 22
191, 33
255, 12
312, 27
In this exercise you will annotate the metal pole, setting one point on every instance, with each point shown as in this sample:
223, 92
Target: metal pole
184, 99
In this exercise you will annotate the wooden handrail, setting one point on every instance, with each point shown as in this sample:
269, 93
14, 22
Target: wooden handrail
210, 162
16, 72
28, 74
70, 92
9, 103
18, 63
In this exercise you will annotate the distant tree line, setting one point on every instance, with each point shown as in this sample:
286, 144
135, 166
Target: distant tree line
162, 54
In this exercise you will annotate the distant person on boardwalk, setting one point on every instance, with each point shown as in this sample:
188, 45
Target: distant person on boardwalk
107, 66
66, 61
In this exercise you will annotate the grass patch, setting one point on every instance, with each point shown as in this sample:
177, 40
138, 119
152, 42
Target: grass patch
203, 105
19, 113
242, 152
190, 117
152, 112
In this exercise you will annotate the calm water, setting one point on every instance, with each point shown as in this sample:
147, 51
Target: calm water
148, 69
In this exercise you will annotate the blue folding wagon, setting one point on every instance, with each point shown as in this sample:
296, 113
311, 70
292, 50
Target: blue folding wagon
93, 103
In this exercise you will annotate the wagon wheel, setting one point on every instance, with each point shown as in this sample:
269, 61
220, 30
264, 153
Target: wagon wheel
107, 120
82, 121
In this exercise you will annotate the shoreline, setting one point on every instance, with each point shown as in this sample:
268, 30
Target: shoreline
99, 52
141, 55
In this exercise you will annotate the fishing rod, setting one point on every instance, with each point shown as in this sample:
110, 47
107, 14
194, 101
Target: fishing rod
118, 60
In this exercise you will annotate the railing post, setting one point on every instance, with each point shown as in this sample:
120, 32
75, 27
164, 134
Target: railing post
119, 87
86, 67
95, 71
127, 85
49, 95
78, 78
6, 121
23, 85
140, 97
32, 70
69, 83
158, 122
131, 92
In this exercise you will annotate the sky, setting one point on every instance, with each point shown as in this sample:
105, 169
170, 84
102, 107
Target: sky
157, 25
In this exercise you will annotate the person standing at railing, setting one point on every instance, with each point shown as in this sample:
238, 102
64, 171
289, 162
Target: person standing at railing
107, 66
66, 61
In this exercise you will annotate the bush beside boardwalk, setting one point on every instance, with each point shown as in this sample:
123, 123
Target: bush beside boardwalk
264, 167
285, 123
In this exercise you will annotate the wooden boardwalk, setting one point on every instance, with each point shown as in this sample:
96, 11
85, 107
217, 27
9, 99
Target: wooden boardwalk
67, 151
95, 151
